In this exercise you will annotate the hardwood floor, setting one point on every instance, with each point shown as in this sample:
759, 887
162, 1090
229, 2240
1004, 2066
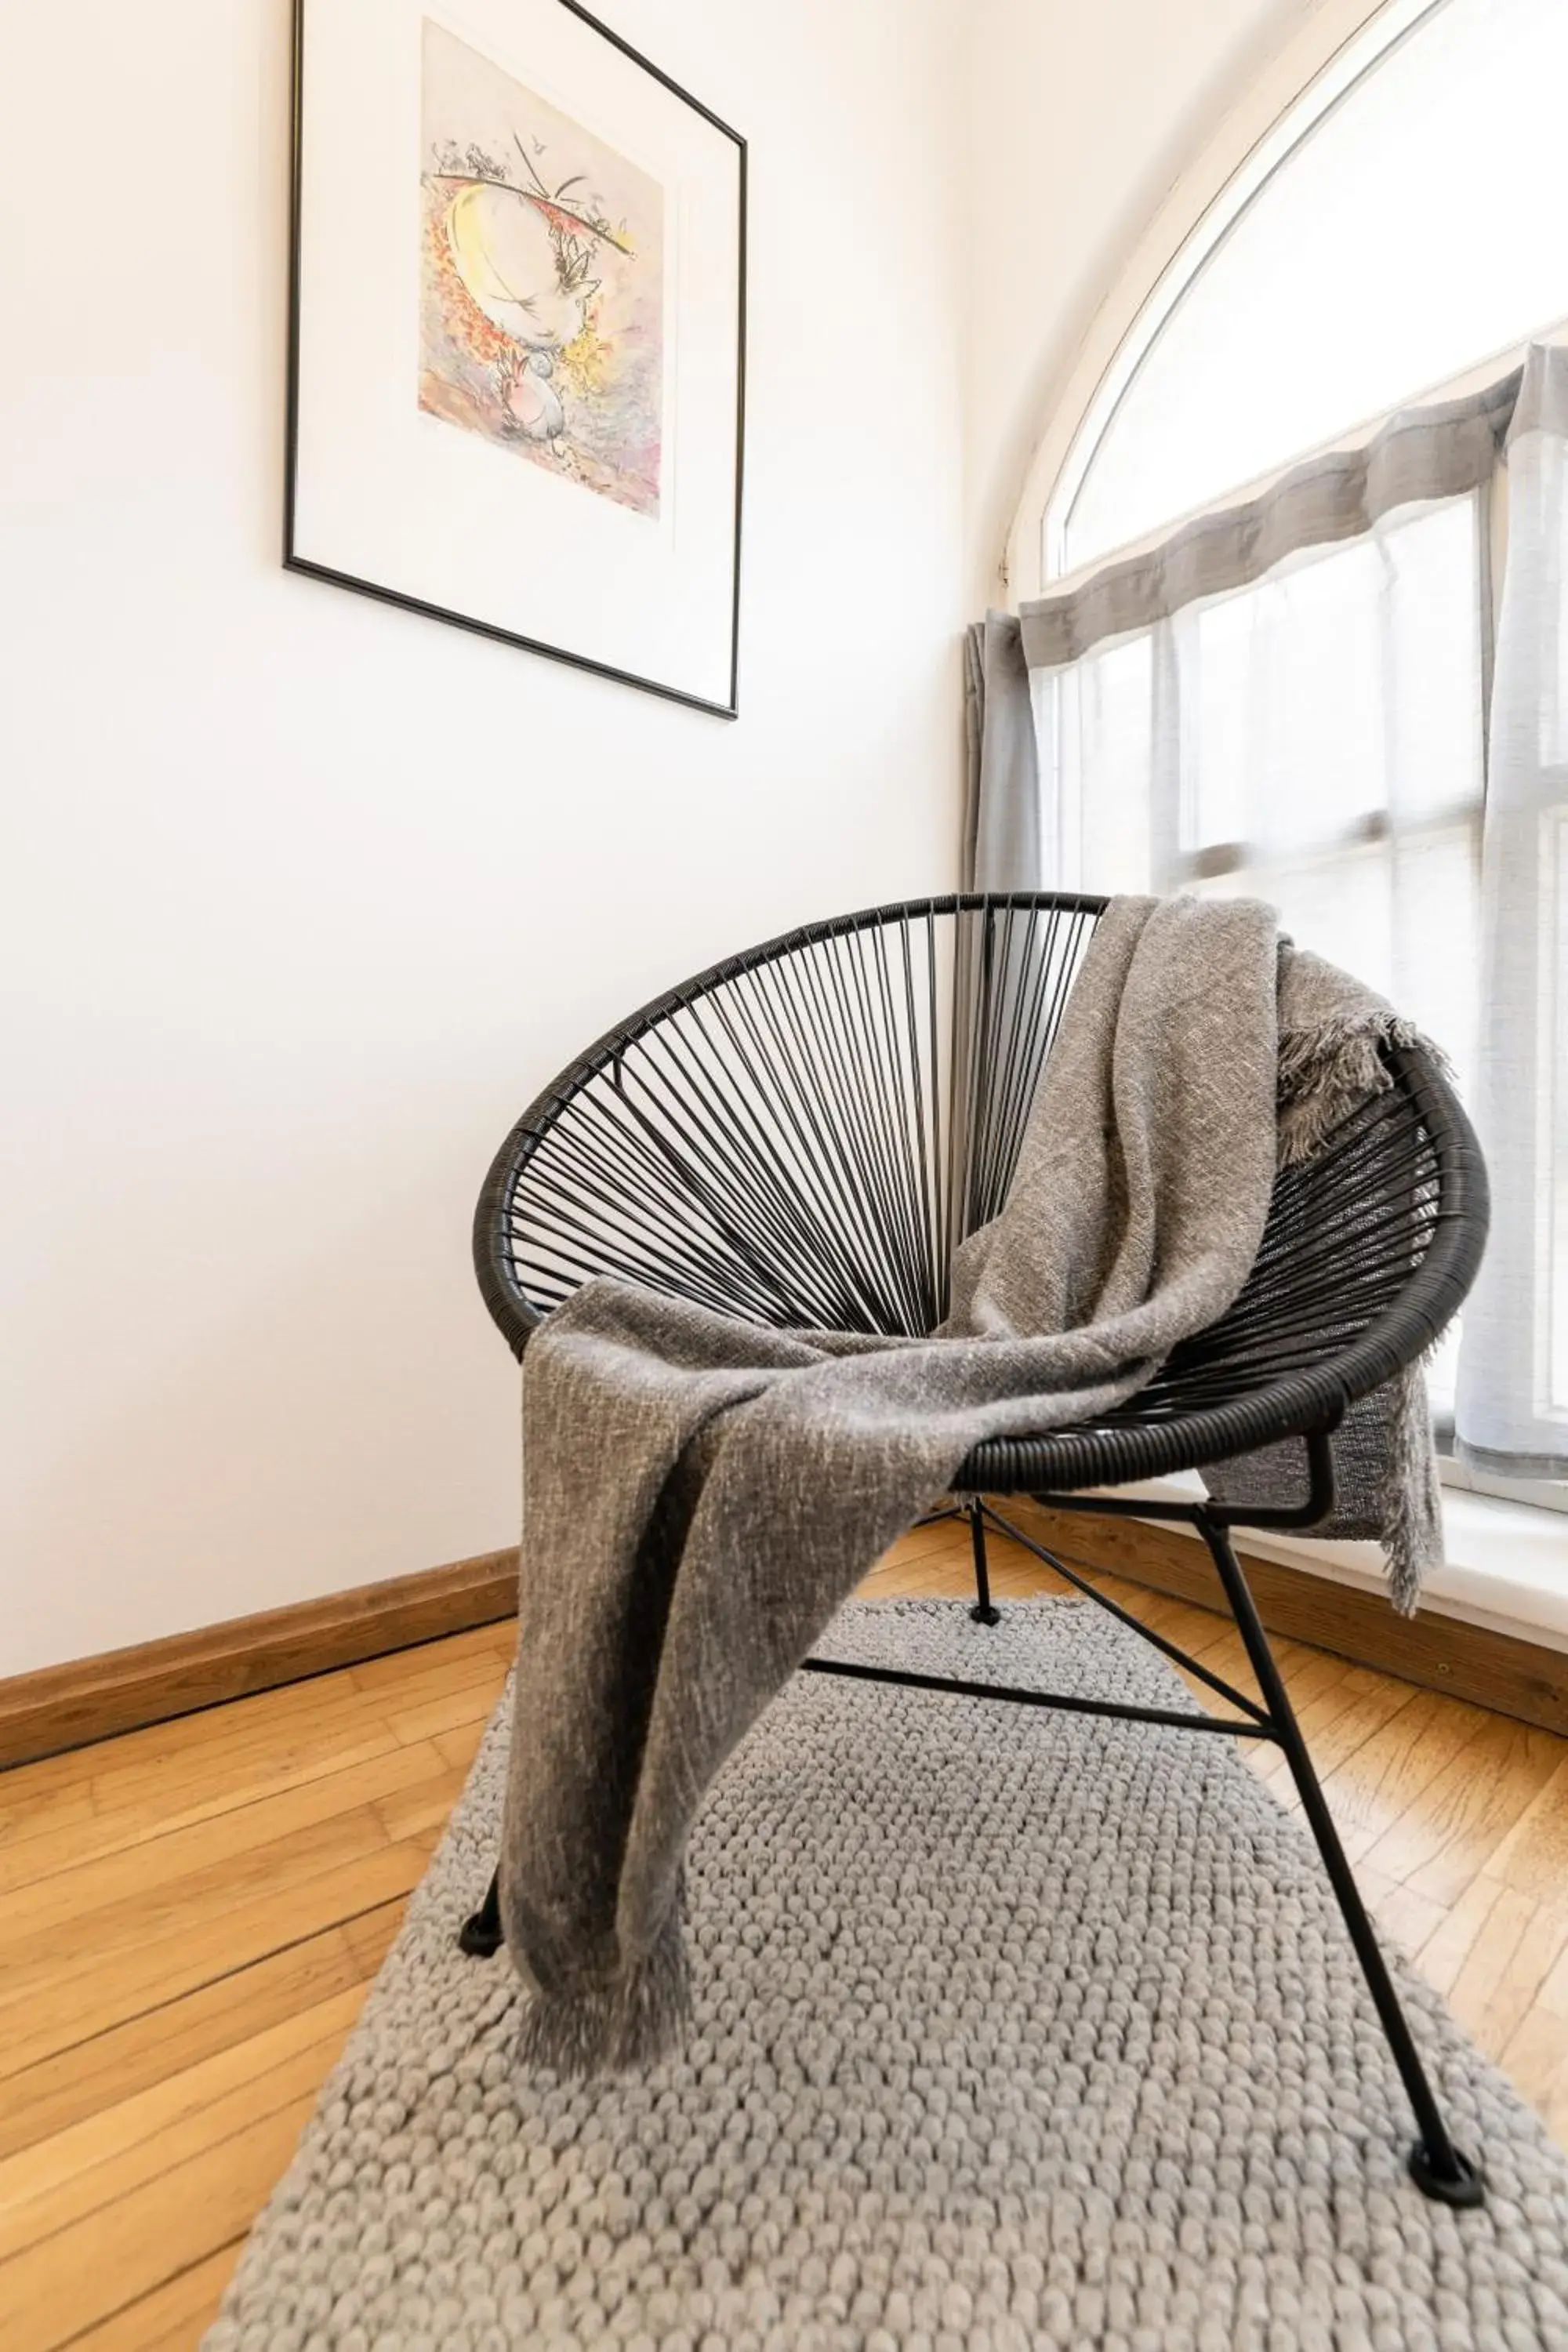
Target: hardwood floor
190, 1915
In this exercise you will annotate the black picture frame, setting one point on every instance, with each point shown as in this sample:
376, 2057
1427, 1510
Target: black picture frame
293, 561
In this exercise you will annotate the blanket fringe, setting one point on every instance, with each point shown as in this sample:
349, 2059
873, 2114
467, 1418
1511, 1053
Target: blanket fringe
634, 2019
1325, 1072
1409, 1502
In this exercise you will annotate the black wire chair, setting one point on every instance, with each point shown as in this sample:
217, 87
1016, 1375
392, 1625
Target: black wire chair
802, 1135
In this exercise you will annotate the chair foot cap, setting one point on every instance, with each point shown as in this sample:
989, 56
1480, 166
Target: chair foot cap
479, 1938
985, 1616
1465, 2189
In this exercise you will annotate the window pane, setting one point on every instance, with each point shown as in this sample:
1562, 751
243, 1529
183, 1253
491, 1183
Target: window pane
1416, 229
1094, 725
1289, 681
1338, 906
1332, 755
1431, 601
1315, 739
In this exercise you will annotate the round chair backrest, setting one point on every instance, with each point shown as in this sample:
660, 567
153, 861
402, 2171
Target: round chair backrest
801, 1135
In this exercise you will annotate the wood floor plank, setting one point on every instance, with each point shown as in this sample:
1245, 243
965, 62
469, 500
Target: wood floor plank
1176, 1620
1459, 1930
483, 1670
1411, 1919
129, 1923
22, 1810
1221, 1648
421, 1811
369, 1933
1441, 1842
1554, 1994
1497, 1988
104, 2069
1353, 1712
923, 1579
95, 2000
241, 1760
1535, 2058
90, 1773
1492, 1962
130, 1874
1312, 1678
175, 2317
164, 1747
398, 1668
233, 1783
1533, 1854
473, 1703
1315, 1712
1386, 1775
343, 1705
275, 1729
111, 2126
81, 2275
58, 2184
941, 1535
460, 1745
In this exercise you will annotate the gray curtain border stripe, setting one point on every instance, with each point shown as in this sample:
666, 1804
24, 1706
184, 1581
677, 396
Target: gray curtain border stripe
1543, 403
1437, 452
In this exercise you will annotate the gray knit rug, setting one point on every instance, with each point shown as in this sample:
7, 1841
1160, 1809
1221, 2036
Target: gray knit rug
1012, 2030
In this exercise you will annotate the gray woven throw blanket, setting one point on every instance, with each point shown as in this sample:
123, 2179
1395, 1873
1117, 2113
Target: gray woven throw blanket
701, 1494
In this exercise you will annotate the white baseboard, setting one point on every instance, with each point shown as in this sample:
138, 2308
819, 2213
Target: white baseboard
1507, 1564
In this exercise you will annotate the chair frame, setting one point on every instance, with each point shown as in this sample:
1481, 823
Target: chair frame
1054, 1468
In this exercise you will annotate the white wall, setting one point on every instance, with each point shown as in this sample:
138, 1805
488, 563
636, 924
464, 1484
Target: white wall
1080, 120
301, 897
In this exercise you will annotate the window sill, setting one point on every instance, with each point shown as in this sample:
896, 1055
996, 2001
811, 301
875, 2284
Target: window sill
1506, 1566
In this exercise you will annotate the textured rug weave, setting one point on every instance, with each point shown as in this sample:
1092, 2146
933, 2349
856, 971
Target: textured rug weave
1011, 2030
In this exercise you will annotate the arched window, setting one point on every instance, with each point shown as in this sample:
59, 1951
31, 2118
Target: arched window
1269, 656
1402, 221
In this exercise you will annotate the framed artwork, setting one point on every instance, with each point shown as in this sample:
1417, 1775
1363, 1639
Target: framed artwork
517, 325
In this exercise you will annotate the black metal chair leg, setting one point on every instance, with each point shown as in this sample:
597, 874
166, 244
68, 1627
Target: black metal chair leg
983, 1612
479, 1935
1435, 2165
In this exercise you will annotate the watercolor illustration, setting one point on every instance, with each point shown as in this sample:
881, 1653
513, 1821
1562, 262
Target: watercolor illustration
542, 280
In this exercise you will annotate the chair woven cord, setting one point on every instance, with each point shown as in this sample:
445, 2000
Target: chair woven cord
801, 1138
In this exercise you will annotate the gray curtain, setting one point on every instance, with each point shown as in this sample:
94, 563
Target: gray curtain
1002, 849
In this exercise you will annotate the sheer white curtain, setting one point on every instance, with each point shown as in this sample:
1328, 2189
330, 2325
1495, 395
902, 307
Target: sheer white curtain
1513, 1372
1314, 738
